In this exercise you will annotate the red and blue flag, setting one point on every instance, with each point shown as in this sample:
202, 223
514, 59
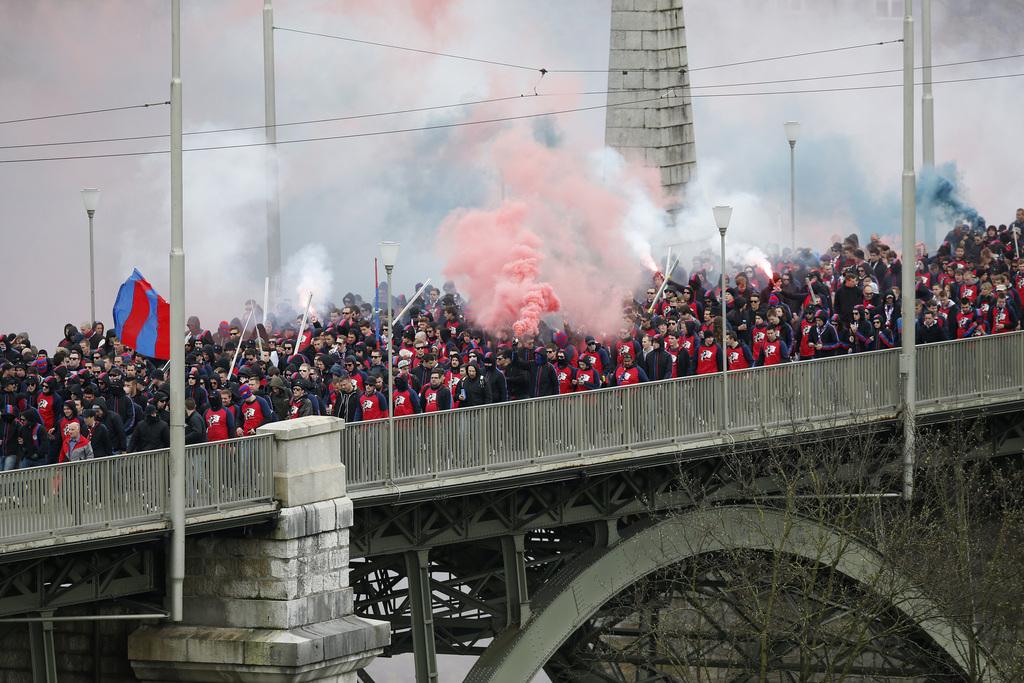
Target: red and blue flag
142, 319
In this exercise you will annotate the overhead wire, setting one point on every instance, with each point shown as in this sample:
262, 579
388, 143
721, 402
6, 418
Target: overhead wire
83, 113
544, 70
507, 118
521, 96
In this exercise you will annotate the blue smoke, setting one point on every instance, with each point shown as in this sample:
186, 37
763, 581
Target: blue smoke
941, 204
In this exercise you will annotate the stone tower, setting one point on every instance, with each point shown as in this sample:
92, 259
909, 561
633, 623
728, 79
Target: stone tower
647, 61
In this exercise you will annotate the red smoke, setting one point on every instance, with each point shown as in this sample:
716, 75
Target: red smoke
559, 243
501, 278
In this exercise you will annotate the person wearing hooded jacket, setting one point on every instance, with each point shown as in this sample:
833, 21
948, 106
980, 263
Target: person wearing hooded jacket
151, 433
495, 379
279, 395
658, 363
220, 422
32, 442
474, 390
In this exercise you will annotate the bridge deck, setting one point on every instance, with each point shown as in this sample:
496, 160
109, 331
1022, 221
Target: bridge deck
480, 447
230, 483
112, 500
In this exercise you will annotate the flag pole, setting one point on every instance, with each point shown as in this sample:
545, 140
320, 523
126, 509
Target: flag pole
415, 296
302, 325
376, 300
241, 337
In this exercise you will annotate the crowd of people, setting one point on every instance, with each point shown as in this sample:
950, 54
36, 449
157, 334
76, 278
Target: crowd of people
92, 396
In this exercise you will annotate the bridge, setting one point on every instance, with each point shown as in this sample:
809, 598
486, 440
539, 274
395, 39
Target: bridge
507, 532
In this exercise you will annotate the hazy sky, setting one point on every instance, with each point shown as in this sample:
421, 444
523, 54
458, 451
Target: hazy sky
339, 198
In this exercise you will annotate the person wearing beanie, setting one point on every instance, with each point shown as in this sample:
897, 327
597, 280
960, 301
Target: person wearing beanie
823, 337
373, 404
300, 405
256, 411
587, 378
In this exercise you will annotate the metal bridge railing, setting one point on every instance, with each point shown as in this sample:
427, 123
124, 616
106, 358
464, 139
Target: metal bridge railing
125, 490
687, 410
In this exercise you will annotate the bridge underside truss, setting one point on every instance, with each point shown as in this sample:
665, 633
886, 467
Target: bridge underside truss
48, 583
722, 617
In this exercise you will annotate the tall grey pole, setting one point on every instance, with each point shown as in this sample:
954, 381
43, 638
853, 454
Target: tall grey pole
391, 376
927, 100
792, 194
177, 369
908, 281
92, 272
721, 344
927, 109
270, 121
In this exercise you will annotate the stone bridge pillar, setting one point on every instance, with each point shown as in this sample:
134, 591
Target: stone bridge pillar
274, 605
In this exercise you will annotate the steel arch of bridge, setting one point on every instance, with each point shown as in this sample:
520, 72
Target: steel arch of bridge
565, 604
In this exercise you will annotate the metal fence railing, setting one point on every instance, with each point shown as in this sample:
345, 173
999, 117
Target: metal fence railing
123, 490
506, 435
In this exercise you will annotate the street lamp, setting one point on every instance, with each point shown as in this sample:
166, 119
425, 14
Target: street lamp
722, 216
91, 200
908, 349
388, 256
792, 133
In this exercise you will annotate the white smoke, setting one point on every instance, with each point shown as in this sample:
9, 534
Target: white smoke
307, 272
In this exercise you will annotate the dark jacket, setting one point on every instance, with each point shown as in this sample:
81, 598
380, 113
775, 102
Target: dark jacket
658, 365
543, 380
150, 434
195, 428
346, 406
846, 299
99, 437
517, 380
497, 384
474, 392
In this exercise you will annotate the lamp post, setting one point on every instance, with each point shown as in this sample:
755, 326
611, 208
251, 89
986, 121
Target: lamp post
91, 200
176, 379
388, 256
270, 136
792, 132
908, 280
722, 216
927, 110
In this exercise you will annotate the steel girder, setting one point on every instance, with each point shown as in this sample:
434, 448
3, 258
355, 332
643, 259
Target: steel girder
571, 607
50, 582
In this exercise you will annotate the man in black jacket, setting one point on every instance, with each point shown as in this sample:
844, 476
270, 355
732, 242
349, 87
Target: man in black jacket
346, 403
151, 433
495, 380
115, 428
544, 378
517, 375
97, 434
195, 425
658, 363
929, 330
848, 297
